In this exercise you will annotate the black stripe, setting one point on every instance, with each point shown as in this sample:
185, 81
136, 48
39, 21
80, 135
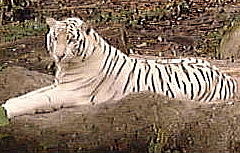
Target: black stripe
170, 69
223, 75
71, 27
130, 76
104, 48
88, 31
184, 87
167, 93
84, 43
111, 61
72, 24
95, 37
84, 56
61, 57
69, 40
233, 84
169, 89
149, 89
146, 76
168, 74
217, 72
93, 50
201, 66
225, 94
105, 62
207, 95
230, 88
109, 67
186, 72
228, 85
199, 84
92, 98
54, 35
191, 66
78, 34
126, 85
79, 52
211, 72
221, 87
134, 65
133, 89
214, 93
177, 80
110, 48
120, 69
114, 65
192, 92
160, 77
201, 72
72, 38
153, 85
209, 81
98, 85
138, 80
204, 93
116, 52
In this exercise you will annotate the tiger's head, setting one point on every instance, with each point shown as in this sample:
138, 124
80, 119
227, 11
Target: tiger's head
64, 37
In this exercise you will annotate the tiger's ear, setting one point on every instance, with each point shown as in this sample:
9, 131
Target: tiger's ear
85, 27
50, 21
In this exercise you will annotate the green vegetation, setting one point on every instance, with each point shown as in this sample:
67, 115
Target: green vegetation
2, 66
17, 31
129, 17
211, 43
158, 140
3, 118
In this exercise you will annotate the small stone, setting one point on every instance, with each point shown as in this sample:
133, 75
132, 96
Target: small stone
142, 45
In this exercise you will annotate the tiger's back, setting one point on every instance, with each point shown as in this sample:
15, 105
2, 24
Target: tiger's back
177, 78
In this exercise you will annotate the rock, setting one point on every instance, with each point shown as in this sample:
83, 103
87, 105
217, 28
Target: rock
144, 44
230, 44
16, 80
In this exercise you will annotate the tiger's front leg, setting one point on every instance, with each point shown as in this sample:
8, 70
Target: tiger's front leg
45, 99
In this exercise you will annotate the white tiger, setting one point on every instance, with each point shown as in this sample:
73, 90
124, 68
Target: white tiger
89, 71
